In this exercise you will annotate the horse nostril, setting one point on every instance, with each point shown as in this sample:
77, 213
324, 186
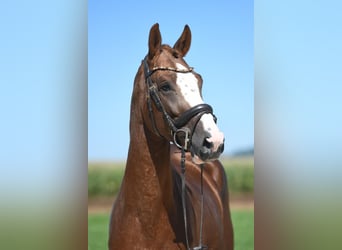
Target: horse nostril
221, 148
207, 143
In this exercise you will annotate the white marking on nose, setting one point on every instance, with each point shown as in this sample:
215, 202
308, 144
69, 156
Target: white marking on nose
217, 137
188, 84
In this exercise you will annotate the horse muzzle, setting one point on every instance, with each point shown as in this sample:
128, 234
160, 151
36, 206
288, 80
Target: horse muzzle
207, 142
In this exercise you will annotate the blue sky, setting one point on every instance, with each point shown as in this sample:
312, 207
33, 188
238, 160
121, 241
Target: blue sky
43, 97
221, 51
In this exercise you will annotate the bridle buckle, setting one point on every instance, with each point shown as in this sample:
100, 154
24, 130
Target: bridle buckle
186, 131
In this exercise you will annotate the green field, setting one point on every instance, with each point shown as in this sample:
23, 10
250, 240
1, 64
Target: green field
243, 223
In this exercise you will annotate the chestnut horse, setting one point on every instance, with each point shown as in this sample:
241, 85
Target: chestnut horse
173, 135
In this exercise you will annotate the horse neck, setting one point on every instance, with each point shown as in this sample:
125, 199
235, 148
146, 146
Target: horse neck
148, 176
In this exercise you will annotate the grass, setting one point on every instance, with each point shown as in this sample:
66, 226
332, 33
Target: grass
240, 174
98, 231
243, 223
104, 181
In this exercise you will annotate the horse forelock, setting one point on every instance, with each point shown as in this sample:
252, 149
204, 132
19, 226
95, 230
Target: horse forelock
167, 57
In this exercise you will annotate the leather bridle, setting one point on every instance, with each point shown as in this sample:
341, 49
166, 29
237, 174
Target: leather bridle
178, 125
178, 128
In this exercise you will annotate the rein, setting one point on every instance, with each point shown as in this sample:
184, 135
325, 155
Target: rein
178, 129
200, 246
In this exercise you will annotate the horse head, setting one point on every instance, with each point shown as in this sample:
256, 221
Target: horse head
174, 99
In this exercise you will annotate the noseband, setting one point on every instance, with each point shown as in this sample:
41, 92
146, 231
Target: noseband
177, 125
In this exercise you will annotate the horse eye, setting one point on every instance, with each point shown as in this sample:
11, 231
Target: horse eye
165, 87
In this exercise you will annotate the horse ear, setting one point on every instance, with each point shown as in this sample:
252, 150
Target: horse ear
183, 43
154, 41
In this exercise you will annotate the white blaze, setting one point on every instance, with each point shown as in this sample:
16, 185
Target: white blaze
188, 84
